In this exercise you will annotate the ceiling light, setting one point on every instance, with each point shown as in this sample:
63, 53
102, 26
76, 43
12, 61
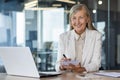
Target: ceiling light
94, 11
100, 2
31, 4
56, 5
67, 1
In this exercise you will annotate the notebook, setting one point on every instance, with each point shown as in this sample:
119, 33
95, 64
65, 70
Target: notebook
19, 61
109, 74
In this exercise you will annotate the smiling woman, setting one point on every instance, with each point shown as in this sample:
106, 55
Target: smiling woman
82, 43
79, 21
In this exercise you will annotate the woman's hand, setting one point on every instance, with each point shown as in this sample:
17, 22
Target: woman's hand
71, 67
74, 68
77, 68
64, 67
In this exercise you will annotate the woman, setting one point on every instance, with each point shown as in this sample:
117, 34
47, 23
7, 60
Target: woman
82, 43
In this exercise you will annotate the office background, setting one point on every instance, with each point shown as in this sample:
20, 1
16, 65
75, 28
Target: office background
38, 23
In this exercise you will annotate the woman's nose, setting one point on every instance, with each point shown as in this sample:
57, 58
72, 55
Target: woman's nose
77, 21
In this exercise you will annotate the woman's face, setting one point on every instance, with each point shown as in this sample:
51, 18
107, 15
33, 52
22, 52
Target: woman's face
79, 21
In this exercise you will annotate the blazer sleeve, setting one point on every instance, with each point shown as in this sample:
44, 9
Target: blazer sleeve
95, 62
61, 49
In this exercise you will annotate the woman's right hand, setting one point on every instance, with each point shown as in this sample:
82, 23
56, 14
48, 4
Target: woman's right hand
64, 67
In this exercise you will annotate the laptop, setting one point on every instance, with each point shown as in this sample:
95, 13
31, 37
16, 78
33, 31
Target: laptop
19, 61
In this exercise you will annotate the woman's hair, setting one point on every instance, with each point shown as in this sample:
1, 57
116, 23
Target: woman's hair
77, 8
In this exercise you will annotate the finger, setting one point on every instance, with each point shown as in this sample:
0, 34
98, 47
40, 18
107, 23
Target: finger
62, 67
72, 67
68, 59
78, 65
65, 59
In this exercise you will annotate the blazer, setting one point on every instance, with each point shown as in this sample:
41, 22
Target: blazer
91, 57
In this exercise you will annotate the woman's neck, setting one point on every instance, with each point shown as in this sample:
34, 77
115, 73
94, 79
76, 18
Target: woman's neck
79, 33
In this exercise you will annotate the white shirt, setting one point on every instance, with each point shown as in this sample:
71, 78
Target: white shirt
79, 44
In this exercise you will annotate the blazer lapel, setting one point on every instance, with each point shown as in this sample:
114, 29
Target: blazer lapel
86, 47
71, 45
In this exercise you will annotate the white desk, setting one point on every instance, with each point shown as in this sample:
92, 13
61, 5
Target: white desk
64, 76
4, 76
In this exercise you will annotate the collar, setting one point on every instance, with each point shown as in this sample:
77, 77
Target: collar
82, 36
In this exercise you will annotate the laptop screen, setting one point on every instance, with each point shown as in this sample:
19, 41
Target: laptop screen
18, 61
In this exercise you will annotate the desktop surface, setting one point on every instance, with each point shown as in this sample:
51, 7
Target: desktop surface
64, 76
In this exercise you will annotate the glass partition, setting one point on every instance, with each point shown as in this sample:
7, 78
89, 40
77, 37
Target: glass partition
40, 29
43, 28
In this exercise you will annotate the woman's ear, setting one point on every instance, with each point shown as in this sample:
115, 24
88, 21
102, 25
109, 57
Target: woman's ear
88, 19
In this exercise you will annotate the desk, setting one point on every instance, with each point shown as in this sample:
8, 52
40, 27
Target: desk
64, 76
75, 76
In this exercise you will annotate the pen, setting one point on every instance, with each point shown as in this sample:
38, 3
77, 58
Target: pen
64, 56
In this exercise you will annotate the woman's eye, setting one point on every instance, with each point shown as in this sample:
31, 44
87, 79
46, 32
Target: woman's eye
81, 17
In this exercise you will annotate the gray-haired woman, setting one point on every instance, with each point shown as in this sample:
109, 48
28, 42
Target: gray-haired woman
83, 43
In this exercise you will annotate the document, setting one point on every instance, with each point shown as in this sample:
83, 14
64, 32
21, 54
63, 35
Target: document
111, 74
87, 76
74, 62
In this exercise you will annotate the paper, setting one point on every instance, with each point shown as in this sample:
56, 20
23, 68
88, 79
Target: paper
88, 76
74, 62
111, 74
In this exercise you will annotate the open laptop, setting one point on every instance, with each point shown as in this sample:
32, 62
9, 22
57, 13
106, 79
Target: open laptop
19, 61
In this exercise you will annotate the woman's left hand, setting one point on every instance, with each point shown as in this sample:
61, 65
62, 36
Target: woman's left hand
77, 68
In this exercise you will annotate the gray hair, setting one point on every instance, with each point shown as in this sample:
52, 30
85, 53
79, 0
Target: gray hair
77, 8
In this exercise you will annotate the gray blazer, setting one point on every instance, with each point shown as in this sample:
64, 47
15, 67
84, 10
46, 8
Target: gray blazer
91, 58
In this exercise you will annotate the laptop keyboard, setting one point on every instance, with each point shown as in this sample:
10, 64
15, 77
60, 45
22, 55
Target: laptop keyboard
48, 74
